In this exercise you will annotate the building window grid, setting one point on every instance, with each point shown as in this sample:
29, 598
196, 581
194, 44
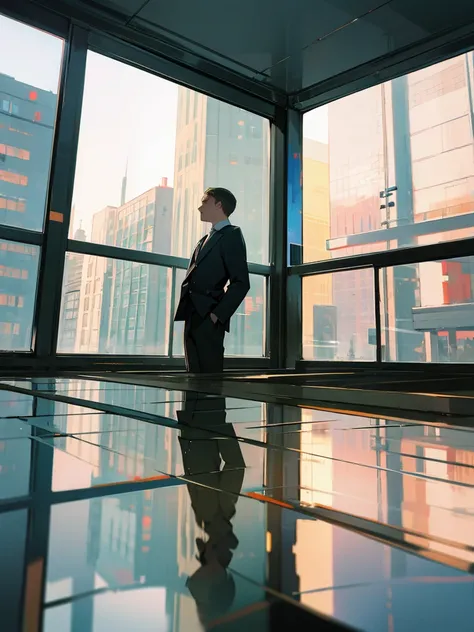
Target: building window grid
137, 232
354, 219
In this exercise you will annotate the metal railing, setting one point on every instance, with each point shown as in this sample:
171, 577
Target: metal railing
379, 262
170, 262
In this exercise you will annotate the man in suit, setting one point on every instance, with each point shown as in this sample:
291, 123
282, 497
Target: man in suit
219, 258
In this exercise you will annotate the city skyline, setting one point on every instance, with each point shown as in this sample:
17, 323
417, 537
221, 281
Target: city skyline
392, 167
192, 174
135, 121
134, 495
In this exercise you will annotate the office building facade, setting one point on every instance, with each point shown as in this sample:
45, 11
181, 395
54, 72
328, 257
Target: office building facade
220, 145
71, 298
401, 174
92, 299
27, 117
125, 306
317, 290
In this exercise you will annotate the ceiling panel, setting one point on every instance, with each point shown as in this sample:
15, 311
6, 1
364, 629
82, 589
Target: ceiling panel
287, 45
127, 8
228, 30
382, 32
394, 26
295, 45
260, 37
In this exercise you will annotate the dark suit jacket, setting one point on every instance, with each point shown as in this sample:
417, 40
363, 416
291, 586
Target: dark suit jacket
223, 258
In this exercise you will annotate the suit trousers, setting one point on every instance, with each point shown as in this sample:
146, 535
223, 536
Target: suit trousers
203, 344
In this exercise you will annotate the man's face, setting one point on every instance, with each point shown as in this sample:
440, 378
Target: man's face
209, 208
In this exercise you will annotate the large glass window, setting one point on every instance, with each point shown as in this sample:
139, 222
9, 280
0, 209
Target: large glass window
18, 281
247, 327
30, 65
147, 151
339, 316
391, 166
114, 306
428, 311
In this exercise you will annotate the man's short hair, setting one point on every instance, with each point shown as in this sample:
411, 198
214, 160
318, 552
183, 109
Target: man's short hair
225, 197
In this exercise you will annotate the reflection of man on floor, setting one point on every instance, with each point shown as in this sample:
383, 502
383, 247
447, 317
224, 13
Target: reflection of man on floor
219, 260
214, 464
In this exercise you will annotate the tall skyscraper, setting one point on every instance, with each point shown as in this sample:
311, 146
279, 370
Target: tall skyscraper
317, 290
92, 298
415, 135
71, 298
441, 126
27, 117
125, 306
221, 145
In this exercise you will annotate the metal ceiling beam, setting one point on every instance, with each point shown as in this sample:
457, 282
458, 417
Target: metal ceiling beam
388, 258
178, 63
193, 70
126, 254
424, 53
225, 86
141, 256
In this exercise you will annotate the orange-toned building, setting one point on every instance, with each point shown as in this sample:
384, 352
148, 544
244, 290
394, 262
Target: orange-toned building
317, 290
402, 174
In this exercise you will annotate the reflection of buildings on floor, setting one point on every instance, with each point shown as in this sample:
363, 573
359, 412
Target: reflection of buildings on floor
15, 405
127, 533
157, 543
440, 503
434, 176
124, 306
329, 479
122, 536
153, 537
16, 447
115, 542
15, 459
388, 490
135, 448
70, 424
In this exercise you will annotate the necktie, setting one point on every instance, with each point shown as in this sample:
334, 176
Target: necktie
211, 232
205, 242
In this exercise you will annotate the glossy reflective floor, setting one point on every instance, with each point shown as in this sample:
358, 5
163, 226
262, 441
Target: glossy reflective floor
127, 507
